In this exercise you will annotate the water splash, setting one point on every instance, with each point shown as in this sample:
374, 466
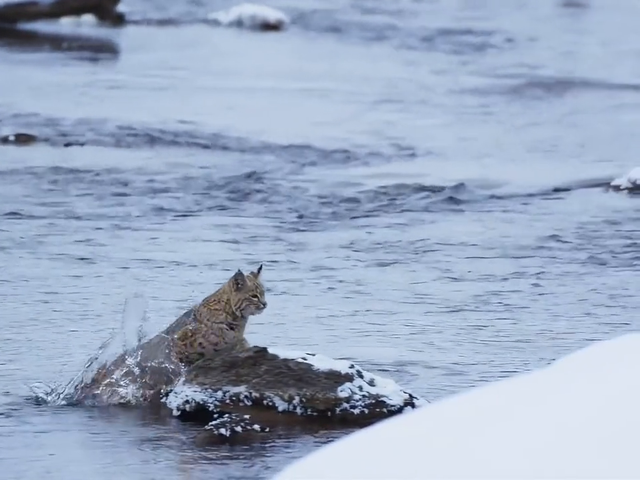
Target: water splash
128, 336
134, 322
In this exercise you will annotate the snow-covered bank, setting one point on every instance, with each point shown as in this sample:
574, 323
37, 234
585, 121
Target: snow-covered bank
628, 182
577, 418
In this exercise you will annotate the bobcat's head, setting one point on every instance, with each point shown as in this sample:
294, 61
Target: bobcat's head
247, 293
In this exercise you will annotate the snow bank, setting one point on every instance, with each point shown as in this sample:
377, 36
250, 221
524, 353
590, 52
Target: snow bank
630, 181
577, 418
251, 16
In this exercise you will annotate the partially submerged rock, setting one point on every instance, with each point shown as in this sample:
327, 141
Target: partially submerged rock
30, 11
82, 47
627, 183
263, 389
19, 139
252, 391
252, 17
138, 376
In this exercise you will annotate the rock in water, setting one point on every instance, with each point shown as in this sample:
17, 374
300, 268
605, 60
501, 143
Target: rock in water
260, 389
12, 13
627, 183
252, 17
247, 392
19, 139
138, 376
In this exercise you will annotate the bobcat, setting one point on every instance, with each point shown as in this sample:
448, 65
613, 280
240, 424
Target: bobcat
219, 321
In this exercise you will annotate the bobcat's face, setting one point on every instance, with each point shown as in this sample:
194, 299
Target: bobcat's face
247, 293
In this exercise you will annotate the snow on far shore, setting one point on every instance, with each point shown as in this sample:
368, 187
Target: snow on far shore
251, 16
630, 181
576, 418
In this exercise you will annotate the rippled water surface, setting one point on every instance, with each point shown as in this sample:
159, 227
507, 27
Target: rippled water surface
422, 181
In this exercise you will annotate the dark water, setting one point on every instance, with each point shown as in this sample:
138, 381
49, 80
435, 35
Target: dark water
392, 165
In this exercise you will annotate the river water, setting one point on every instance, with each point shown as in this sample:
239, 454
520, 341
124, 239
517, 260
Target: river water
393, 166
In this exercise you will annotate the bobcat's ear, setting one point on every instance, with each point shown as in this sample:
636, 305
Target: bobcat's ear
238, 281
258, 271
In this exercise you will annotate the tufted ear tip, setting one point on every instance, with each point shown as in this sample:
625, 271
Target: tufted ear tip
259, 270
238, 280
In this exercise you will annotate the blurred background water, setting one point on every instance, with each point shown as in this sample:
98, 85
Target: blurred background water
393, 166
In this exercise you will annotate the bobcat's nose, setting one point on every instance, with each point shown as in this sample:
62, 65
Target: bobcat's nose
264, 304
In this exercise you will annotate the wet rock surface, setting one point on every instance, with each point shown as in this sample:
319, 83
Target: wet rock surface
242, 393
105, 11
136, 377
263, 389
18, 139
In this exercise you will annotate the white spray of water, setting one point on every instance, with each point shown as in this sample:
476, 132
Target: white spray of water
134, 320
129, 335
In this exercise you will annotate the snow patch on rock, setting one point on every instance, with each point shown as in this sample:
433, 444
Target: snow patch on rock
251, 16
628, 182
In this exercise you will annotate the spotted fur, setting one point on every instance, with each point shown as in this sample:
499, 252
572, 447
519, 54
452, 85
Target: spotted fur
220, 320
